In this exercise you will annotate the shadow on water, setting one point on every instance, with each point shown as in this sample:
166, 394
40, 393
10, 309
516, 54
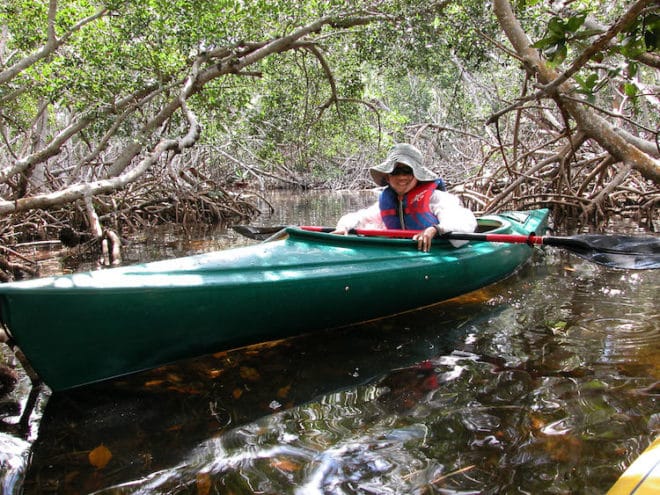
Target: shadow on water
149, 422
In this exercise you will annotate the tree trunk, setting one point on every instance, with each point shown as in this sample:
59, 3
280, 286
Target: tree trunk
594, 126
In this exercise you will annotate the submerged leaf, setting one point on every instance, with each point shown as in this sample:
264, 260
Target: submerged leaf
558, 326
595, 385
100, 457
283, 392
285, 465
204, 484
250, 374
572, 24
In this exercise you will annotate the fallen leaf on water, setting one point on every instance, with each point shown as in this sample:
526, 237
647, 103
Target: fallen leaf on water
250, 374
203, 484
188, 390
536, 423
215, 373
285, 465
100, 457
564, 448
283, 392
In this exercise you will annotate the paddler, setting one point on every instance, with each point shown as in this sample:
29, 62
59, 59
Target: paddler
413, 198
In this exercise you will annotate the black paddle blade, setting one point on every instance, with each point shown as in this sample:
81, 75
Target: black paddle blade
619, 251
257, 233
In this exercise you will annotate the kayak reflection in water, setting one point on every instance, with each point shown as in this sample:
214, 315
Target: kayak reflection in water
414, 198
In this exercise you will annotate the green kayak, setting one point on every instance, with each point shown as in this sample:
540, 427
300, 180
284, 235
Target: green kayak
86, 327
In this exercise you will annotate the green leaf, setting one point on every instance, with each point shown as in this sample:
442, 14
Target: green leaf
547, 42
630, 90
632, 46
595, 385
556, 54
574, 23
557, 27
587, 84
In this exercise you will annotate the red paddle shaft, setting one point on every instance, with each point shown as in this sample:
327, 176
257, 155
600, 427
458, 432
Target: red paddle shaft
467, 236
613, 251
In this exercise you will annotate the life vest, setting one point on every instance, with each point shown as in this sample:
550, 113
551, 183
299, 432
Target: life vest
414, 206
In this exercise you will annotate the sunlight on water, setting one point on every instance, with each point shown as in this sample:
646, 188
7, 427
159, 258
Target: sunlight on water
14, 454
21, 408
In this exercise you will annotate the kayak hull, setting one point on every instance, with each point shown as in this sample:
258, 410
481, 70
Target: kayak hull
87, 327
642, 477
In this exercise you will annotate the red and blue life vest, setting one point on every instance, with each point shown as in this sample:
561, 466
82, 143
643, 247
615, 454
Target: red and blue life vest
412, 211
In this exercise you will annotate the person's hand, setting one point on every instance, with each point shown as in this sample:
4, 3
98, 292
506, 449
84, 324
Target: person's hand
424, 238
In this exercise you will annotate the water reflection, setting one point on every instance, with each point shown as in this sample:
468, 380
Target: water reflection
152, 420
543, 383
497, 392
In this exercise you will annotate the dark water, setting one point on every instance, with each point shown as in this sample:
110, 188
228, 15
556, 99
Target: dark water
547, 382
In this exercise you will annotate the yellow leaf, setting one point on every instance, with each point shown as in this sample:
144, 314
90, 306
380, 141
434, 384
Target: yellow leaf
237, 393
100, 457
285, 465
536, 423
214, 373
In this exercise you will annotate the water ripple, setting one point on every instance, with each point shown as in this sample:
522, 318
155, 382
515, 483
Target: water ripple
555, 391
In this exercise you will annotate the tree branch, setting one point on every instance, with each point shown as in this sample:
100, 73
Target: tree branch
594, 126
599, 45
52, 42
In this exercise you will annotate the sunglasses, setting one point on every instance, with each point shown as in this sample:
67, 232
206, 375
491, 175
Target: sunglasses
402, 171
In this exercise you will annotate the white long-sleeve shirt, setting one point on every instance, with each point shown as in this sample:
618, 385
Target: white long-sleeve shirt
445, 206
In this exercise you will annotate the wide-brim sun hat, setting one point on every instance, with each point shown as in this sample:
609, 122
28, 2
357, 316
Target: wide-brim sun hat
406, 154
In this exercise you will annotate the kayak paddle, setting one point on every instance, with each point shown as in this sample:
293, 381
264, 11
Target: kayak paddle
614, 251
